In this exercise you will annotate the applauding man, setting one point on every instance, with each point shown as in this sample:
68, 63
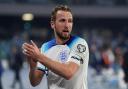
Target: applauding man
63, 59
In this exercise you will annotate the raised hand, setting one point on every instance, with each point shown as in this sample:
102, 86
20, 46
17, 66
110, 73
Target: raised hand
31, 50
35, 52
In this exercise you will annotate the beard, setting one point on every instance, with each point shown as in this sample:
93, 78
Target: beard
64, 35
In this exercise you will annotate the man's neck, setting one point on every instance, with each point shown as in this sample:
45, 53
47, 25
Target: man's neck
60, 41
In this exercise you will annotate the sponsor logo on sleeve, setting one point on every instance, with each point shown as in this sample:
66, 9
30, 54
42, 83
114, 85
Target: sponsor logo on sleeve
79, 59
81, 48
75, 57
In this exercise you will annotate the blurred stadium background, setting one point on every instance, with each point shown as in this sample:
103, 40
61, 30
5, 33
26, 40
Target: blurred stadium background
103, 23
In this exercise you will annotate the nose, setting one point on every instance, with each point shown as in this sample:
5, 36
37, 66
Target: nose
66, 23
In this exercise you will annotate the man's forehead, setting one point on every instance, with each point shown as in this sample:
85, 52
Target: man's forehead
61, 13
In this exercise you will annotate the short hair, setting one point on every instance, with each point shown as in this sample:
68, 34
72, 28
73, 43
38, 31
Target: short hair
57, 8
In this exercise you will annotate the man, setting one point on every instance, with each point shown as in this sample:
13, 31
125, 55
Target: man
64, 59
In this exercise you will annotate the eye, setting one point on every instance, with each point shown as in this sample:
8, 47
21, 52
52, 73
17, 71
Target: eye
70, 20
62, 20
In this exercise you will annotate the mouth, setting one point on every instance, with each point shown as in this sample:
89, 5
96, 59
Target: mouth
65, 31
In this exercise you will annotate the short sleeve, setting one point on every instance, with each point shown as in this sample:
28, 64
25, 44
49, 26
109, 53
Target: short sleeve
79, 52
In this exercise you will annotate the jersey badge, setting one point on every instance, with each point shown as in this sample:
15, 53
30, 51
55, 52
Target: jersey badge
63, 55
81, 48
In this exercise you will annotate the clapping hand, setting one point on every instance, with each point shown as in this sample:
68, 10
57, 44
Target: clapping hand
31, 50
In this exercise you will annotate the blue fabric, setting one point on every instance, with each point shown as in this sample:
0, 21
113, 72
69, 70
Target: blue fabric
49, 44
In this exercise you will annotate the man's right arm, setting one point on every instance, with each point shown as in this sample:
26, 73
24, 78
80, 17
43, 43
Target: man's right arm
35, 75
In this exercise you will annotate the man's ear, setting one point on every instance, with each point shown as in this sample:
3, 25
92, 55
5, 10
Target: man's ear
52, 25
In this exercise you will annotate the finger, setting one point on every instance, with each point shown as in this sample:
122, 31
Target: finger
23, 45
29, 50
26, 45
33, 43
25, 52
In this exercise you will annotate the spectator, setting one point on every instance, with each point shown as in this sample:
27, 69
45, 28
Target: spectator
16, 63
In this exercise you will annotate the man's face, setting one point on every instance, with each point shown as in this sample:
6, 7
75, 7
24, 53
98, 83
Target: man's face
63, 24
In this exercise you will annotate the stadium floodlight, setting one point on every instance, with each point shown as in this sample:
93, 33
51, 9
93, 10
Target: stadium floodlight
27, 17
